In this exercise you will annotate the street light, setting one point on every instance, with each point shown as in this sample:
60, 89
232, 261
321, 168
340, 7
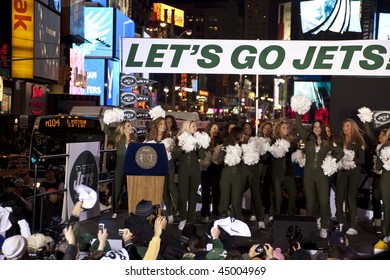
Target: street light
166, 90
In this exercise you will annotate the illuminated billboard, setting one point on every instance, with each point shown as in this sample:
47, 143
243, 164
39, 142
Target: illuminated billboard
55, 5
159, 12
47, 43
112, 83
78, 77
330, 15
98, 32
284, 22
125, 27
76, 20
95, 77
384, 27
22, 39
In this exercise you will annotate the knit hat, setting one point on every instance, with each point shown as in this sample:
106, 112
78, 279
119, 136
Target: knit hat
84, 240
36, 242
144, 208
216, 254
95, 246
14, 247
380, 247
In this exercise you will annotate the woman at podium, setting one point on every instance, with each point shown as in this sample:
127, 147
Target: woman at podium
158, 134
123, 135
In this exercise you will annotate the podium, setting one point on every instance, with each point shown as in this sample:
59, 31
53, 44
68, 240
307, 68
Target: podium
145, 167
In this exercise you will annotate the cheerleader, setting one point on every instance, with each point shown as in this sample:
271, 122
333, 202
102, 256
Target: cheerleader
282, 178
348, 177
365, 116
231, 182
383, 164
316, 184
123, 136
211, 174
189, 149
253, 148
158, 134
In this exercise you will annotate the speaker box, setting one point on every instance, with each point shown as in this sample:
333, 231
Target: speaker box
306, 224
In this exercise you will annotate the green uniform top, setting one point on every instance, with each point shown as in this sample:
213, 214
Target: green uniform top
314, 159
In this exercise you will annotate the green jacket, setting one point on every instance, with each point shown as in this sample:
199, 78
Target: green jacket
315, 159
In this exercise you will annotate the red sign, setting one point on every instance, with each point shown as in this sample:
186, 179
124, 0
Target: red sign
37, 96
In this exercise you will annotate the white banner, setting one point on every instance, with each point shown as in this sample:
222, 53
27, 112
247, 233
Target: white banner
82, 168
345, 58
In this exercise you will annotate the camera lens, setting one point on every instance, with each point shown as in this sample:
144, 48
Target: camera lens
260, 249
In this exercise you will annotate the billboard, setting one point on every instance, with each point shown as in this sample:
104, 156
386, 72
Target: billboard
78, 78
125, 27
47, 43
98, 32
76, 21
101, 2
55, 5
329, 15
284, 22
22, 65
159, 13
35, 99
384, 26
113, 74
95, 77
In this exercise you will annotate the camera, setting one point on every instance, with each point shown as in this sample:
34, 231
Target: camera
101, 227
155, 209
260, 249
121, 231
335, 227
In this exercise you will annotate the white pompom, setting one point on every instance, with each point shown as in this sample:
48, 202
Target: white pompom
329, 165
299, 157
300, 104
250, 155
168, 143
157, 112
279, 148
385, 157
114, 115
347, 162
187, 142
233, 155
261, 144
203, 139
365, 114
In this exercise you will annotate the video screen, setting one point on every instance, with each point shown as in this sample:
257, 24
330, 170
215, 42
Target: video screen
316, 91
384, 26
337, 16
